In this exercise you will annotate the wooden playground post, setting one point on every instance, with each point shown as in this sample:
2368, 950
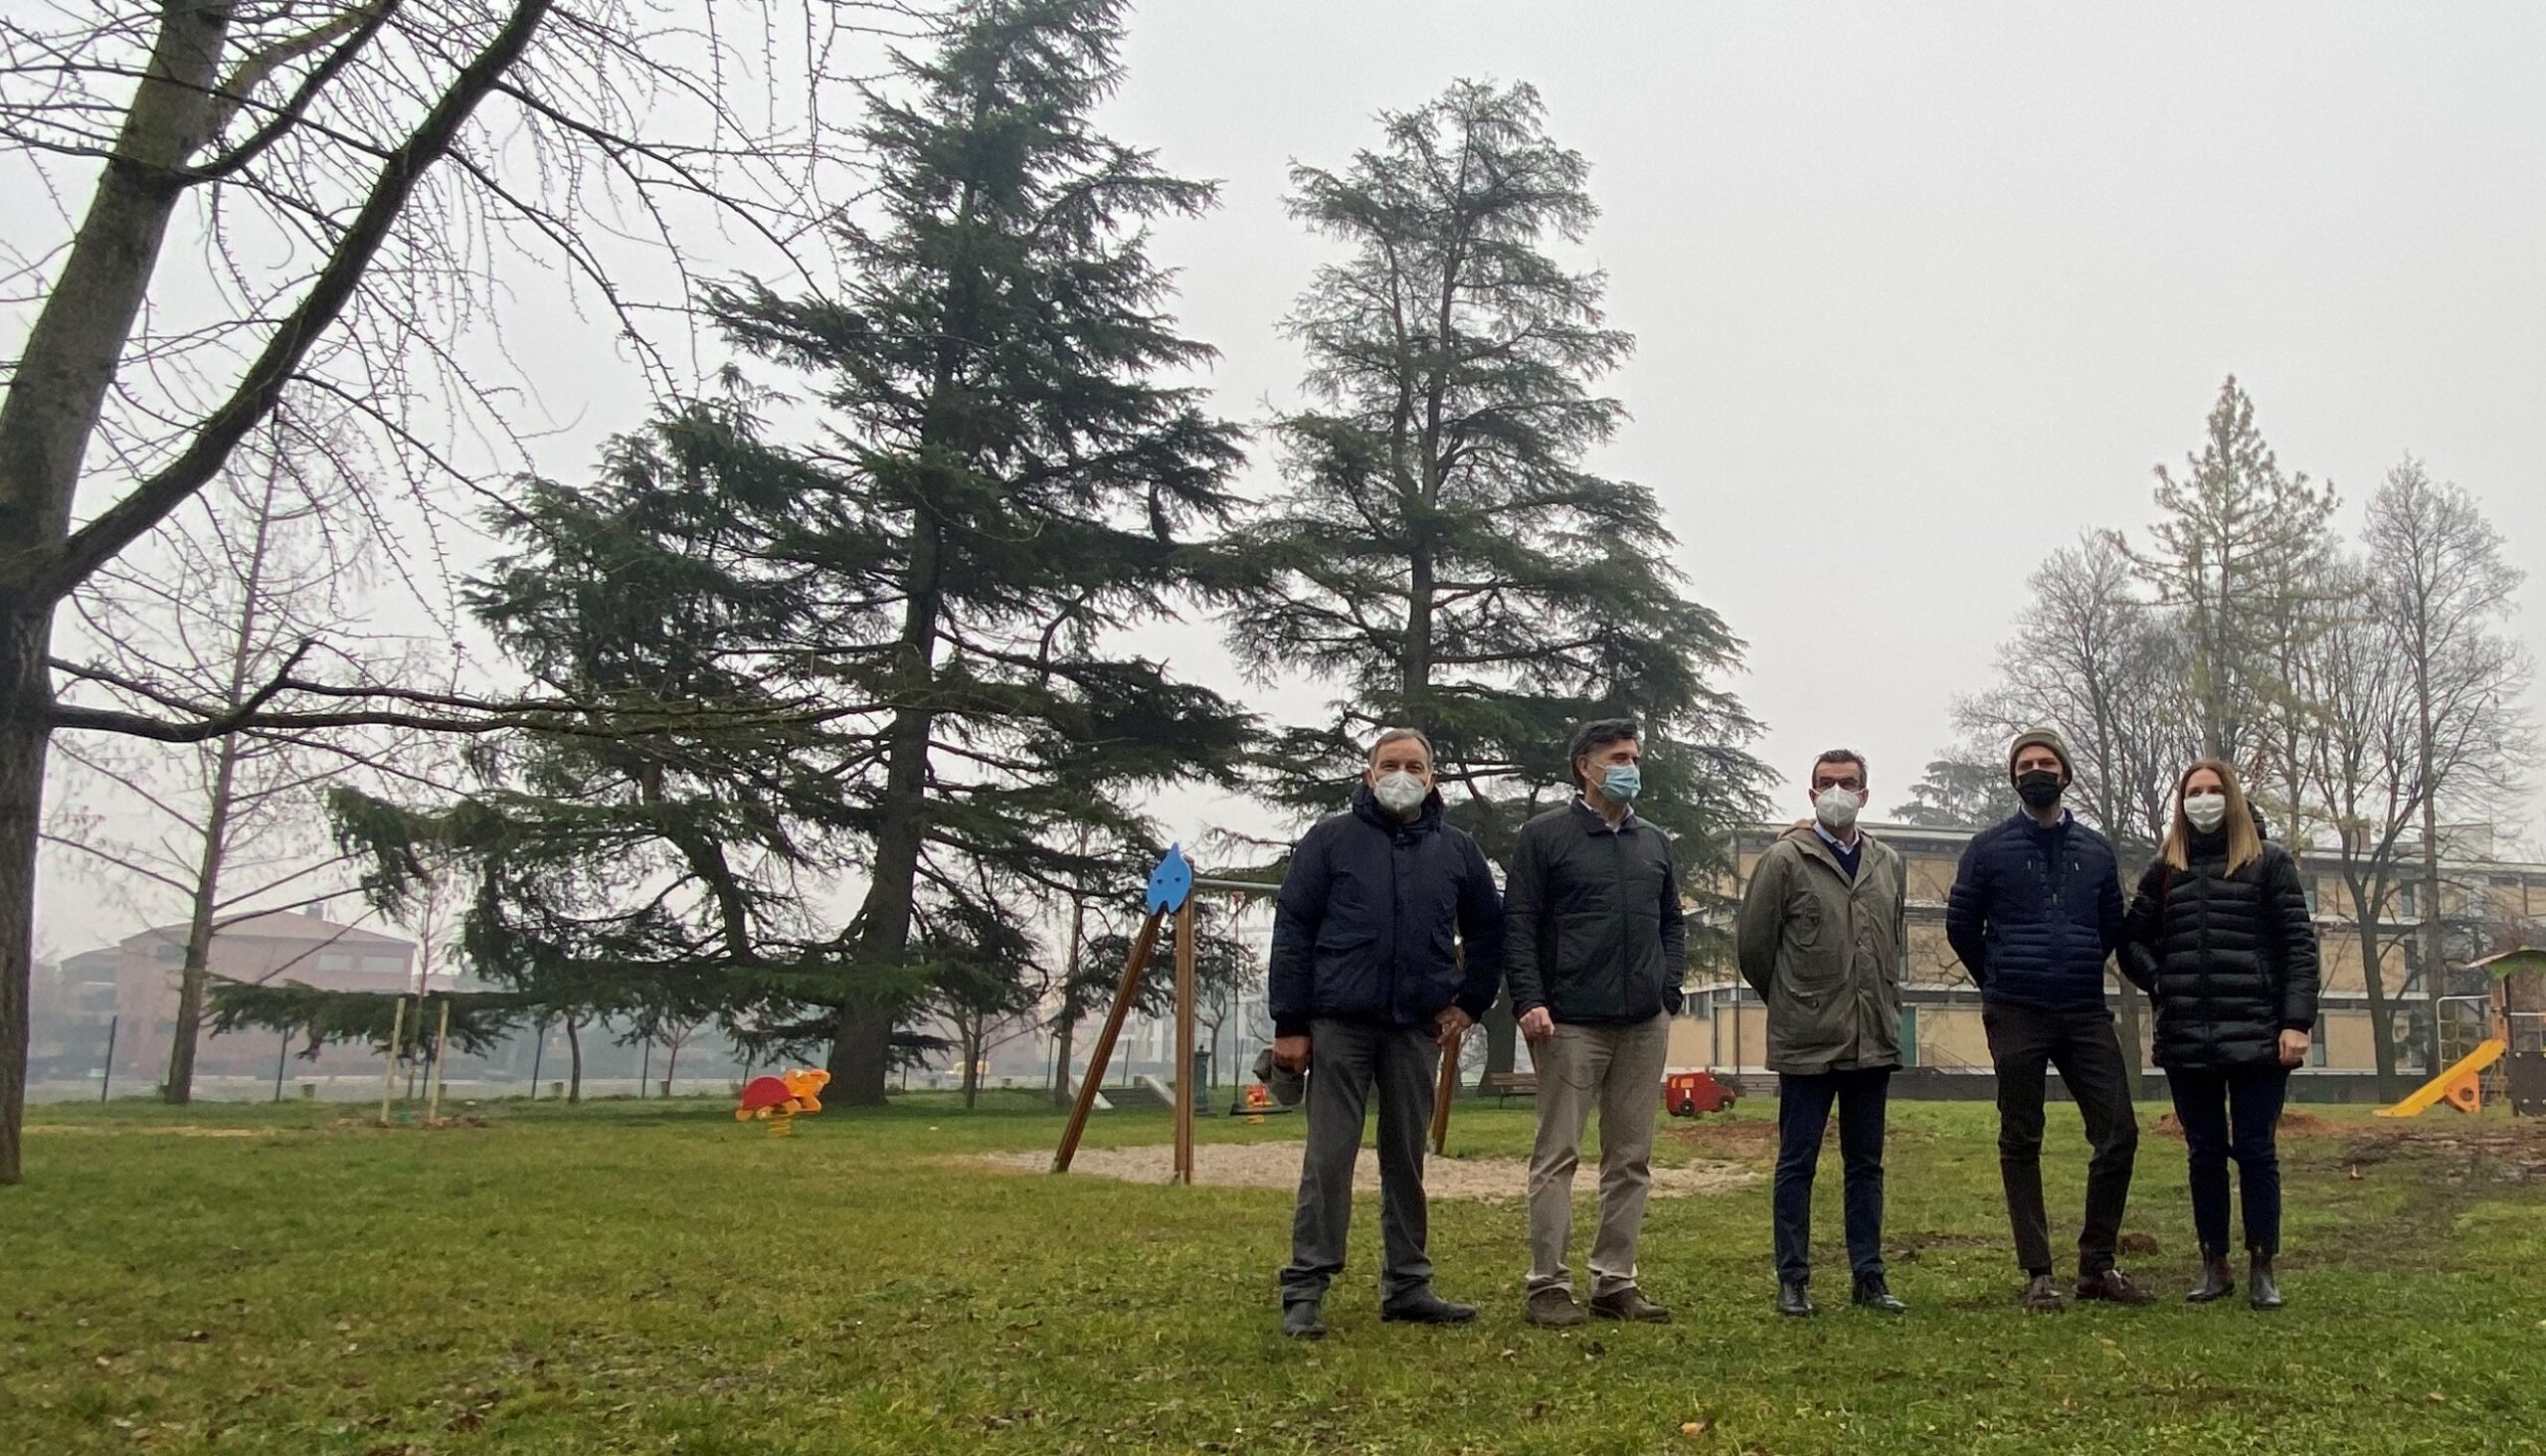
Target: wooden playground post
1103, 1053
1442, 1092
389, 1073
442, 1041
1185, 1042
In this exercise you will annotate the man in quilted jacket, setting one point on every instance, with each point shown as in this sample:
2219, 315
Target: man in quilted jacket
2034, 913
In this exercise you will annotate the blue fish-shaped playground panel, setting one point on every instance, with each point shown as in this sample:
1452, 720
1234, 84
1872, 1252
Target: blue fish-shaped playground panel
1171, 882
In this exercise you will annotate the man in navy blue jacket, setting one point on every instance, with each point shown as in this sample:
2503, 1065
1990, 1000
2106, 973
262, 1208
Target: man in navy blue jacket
2036, 911
1368, 983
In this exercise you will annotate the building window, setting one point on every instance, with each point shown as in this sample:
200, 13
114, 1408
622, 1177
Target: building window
384, 964
335, 960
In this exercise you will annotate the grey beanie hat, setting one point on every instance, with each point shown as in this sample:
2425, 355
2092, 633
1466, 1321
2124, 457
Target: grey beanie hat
2040, 738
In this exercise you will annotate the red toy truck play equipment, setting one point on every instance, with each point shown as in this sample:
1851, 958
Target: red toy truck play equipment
1686, 1094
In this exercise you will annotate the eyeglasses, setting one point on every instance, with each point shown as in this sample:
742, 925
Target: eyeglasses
1852, 783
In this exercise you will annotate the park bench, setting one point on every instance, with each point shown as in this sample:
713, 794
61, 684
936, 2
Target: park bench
1507, 1085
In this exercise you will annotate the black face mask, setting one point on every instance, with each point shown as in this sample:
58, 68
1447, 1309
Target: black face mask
2040, 790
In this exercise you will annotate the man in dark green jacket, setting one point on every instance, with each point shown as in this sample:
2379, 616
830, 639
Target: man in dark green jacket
1820, 940
1595, 946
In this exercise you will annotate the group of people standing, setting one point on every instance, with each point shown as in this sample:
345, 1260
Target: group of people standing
1391, 940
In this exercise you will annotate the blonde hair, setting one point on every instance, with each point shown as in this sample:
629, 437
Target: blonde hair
2244, 847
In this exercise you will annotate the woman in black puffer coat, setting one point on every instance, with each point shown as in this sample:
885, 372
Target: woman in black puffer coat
2221, 938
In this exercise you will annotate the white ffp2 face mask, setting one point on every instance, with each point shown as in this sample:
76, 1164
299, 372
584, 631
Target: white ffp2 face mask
1399, 792
1836, 808
2206, 811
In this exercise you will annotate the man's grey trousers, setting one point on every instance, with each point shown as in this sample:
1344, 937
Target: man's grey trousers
1348, 1061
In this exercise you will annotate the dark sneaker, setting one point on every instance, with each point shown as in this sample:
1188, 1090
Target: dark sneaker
1630, 1305
2043, 1297
1872, 1293
1792, 1299
1303, 1320
1424, 1307
1555, 1309
2113, 1287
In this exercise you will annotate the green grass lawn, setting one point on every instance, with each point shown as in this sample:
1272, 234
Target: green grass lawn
654, 1277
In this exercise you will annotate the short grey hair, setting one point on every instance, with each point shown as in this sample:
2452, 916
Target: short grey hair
1401, 735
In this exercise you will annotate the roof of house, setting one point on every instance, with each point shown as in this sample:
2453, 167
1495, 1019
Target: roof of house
286, 925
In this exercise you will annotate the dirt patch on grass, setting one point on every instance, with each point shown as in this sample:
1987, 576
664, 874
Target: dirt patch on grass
1277, 1165
2499, 1152
1726, 1137
2293, 1125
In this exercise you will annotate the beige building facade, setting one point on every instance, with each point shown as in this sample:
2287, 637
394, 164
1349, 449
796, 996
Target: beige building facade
2487, 905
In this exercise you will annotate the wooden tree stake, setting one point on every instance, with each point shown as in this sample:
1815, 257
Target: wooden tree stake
389, 1073
1184, 953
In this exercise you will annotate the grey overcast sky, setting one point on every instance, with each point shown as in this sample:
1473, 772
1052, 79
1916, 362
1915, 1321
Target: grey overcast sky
1920, 290
1923, 291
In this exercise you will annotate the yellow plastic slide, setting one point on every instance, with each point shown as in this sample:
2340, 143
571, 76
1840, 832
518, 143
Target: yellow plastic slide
2459, 1086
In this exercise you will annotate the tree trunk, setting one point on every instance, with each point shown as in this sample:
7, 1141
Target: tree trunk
64, 368
863, 1042
575, 1060
191, 980
2382, 1015
1066, 1032
26, 695
862, 1054
885, 921
972, 1034
1061, 1091
2435, 934
179, 1089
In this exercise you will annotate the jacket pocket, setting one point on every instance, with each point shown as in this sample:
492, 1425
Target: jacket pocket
1815, 954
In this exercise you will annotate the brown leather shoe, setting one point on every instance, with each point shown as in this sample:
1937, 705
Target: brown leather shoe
1553, 1309
1630, 1305
2113, 1287
2043, 1297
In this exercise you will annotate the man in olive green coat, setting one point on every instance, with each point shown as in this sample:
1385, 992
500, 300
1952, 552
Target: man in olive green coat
1820, 939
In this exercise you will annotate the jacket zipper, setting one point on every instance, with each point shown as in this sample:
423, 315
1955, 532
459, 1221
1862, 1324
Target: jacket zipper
1618, 884
1396, 925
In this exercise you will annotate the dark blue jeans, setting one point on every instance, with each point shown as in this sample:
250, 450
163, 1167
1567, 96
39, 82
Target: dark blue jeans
2227, 1115
1803, 1113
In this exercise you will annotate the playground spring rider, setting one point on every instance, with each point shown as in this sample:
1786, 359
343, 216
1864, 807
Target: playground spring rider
777, 1100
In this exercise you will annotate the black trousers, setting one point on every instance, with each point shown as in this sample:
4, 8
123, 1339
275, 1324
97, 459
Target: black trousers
1803, 1113
2024, 1043
2233, 1114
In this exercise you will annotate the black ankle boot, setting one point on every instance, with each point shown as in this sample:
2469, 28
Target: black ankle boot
2216, 1282
2260, 1291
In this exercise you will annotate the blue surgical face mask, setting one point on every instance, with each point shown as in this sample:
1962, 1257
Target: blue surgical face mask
1623, 782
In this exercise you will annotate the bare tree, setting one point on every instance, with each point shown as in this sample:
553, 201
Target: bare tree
251, 577
266, 181
2364, 784
2444, 593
